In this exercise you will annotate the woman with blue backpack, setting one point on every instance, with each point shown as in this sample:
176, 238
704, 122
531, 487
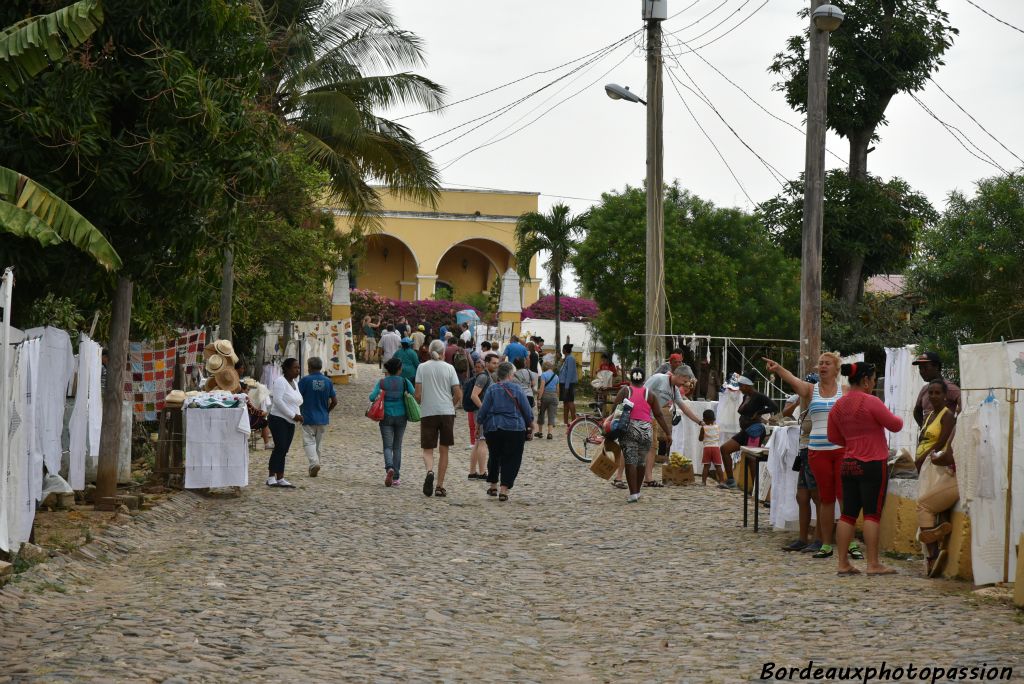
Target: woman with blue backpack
392, 426
635, 430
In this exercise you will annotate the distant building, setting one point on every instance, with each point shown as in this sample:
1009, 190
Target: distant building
889, 285
463, 244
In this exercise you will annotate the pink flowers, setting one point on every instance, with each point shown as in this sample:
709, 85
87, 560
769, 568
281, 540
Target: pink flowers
434, 313
573, 309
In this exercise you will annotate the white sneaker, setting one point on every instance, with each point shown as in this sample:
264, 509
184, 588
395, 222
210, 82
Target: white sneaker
284, 483
271, 481
269, 446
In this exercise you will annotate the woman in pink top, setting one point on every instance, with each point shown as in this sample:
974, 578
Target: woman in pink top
858, 422
637, 439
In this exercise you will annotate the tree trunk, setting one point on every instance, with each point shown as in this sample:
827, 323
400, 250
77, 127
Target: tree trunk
227, 289
113, 395
859, 143
558, 324
851, 279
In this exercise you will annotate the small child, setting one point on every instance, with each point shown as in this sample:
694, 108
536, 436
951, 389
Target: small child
710, 434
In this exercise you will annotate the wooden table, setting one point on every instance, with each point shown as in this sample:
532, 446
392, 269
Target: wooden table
758, 455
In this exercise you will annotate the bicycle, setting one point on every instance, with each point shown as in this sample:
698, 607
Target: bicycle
585, 434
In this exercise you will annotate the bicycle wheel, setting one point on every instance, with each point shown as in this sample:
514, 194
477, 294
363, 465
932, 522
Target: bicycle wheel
586, 438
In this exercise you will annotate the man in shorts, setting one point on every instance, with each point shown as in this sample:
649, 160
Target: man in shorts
438, 391
665, 386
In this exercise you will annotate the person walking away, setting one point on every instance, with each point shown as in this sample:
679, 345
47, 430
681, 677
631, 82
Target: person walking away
285, 413
318, 400
370, 329
665, 388
507, 420
937, 489
824, 457
409, 358
929, 366
548, 387
390, 342
437, 391
528, 380
392, 426
418, 337
461, 361
857, 424
635, 443
402, 327
515, 350
567, 379
806, 485
470, 408
710, 434
478, 458
424, 350
533, 359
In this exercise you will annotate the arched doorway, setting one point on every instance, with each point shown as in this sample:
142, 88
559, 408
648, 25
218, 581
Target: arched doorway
472, 265
389, 268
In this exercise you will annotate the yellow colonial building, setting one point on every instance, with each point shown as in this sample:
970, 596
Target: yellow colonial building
462, 244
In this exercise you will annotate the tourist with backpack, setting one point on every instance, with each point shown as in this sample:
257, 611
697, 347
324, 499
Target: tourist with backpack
547, 386
478, 385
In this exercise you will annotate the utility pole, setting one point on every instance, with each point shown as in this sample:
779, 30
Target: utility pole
654, 325
814, 195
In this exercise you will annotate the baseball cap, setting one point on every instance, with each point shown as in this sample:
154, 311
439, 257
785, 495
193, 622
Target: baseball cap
406, 340
675, 357
744, 380
420, 327
928, 357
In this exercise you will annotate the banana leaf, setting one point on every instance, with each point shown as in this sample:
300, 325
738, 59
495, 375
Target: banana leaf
28, 47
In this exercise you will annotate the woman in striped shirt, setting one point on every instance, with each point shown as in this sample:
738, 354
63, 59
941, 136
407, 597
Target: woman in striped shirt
824, 457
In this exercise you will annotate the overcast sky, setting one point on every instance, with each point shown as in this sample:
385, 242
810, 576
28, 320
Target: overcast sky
590, 144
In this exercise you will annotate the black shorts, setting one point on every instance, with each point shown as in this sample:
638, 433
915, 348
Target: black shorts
434, 428
530, 399
568, 393
864, 487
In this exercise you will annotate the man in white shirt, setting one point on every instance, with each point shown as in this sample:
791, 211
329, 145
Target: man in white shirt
665, 386
438, 391
390, 342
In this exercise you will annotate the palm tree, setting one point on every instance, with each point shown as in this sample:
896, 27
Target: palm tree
556, 233
27, 209
334, 72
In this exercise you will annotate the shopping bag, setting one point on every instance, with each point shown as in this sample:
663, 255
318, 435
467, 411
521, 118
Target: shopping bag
412, 409
603, 466
376, 410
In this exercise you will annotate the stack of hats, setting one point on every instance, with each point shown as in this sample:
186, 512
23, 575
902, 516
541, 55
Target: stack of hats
220, 361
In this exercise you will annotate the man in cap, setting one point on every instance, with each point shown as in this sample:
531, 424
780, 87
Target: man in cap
675, 359
929, 365
665, 387
418, 337
753, 406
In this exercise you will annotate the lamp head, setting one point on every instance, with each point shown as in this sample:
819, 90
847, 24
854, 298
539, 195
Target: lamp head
827, 18
617, 92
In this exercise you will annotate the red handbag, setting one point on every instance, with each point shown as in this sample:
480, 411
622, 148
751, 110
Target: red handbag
376, 410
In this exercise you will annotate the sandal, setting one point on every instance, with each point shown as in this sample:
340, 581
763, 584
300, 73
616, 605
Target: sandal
503, 497
653, 483
618, 484
492, 491
440, 491
855, 553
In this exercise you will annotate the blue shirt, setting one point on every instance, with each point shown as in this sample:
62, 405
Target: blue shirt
550, 379
567, 373
514, 351
441, 332
500, 411
317, 391
394, 399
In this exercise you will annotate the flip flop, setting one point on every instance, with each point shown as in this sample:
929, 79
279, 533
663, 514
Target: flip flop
440, 491
653, 483
887, 571
618, 484
851, 571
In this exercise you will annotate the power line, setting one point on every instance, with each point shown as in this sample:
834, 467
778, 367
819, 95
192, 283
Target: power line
685, 9
519, 80
692, 24
542, 194
727, 18
978, 123
742, 21
985, 11
721, 156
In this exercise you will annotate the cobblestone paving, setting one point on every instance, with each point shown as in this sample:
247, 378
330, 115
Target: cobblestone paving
342, 579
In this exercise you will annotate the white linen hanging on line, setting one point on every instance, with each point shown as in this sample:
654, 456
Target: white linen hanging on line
86, 417
6, 398
56, 370
783, 447
29, 362
902, 385
20, 502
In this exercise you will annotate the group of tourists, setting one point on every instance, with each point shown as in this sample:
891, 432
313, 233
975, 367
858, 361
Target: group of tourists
844, 457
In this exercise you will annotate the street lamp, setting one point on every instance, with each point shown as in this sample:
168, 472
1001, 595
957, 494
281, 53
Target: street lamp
825, 18
655, 11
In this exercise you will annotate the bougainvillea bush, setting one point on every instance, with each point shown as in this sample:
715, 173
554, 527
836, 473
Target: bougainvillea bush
573, 309
434, 313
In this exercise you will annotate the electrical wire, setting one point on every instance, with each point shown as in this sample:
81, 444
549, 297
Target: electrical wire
520, 79
950, 128
978, 123
727, 18
692, 24
542, 194
685, 9
984, 11
742, 21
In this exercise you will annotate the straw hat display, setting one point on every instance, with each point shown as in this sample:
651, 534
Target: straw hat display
220, 361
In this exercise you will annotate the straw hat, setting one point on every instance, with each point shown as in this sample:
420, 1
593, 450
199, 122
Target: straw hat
224, 348
227, 379
215, 362
175, 398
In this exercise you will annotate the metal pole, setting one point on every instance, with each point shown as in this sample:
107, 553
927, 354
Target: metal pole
1011, 396
655, 272
814, 197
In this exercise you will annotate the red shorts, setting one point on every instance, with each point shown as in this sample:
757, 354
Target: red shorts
472, 426
712, 455
827, 469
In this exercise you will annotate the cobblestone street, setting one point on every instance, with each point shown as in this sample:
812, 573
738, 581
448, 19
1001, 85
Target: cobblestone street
343, 579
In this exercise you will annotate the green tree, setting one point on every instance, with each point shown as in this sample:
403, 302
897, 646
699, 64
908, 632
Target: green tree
724, 275
873, 222
555, 233
883, 48
328, 82
970, 267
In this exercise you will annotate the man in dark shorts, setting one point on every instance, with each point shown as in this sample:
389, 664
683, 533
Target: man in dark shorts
438, 391
754, 405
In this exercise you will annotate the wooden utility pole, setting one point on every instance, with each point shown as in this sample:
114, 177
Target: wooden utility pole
654, 324
814, 197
